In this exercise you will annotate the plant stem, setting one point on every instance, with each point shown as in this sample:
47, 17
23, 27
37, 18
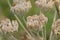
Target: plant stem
20, 21
45, 32
12, 37
55, 14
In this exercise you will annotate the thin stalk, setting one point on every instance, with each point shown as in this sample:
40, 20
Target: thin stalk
38, 36
42, 33
17, 17
55, 14
20, 21
12, 37
24, 21
4, 35
23, 26
31, 33
45, 32
28, 29
40, 29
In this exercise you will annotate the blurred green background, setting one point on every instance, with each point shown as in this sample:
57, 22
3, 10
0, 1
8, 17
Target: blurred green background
5, 13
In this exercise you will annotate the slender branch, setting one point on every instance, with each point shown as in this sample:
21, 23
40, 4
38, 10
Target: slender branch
45, 32
12, 37
57, 10
21, 24
38, 36
9, 3
20, 21
55, 14
17, 17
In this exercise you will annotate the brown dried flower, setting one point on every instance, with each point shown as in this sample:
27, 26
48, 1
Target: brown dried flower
43, 19
8, 26
32, 22
21, 6
36, 21
56, 27
44, 3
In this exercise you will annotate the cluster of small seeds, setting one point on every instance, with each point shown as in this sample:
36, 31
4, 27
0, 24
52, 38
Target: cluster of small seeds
7, 26
21, 6
44, 3
56, 27
36, 21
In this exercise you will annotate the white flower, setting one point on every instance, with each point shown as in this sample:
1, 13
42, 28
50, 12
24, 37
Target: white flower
32, 22
28, 5
21, 6
56, 27
50, 4
15, 25
36, 21
43, 19
44, 3
41, 3
8, 26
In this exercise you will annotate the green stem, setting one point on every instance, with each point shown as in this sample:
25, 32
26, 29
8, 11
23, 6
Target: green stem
55, 14
20, 21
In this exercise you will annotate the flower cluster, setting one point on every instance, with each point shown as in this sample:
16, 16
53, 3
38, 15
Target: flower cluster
44, 3
7, 26
21, 6
56, 27
36, 21
43, 19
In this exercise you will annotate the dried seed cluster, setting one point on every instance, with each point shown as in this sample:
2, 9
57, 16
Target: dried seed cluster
56, 27
44, 3
36, 21
7, 26
21, 6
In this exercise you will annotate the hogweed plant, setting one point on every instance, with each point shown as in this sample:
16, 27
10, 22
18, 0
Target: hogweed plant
34, 26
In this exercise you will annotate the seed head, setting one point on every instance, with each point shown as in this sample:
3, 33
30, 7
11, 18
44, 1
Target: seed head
44, 3
32, 22
36, 21
56, 26
8, 26
43, 19
21, 6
